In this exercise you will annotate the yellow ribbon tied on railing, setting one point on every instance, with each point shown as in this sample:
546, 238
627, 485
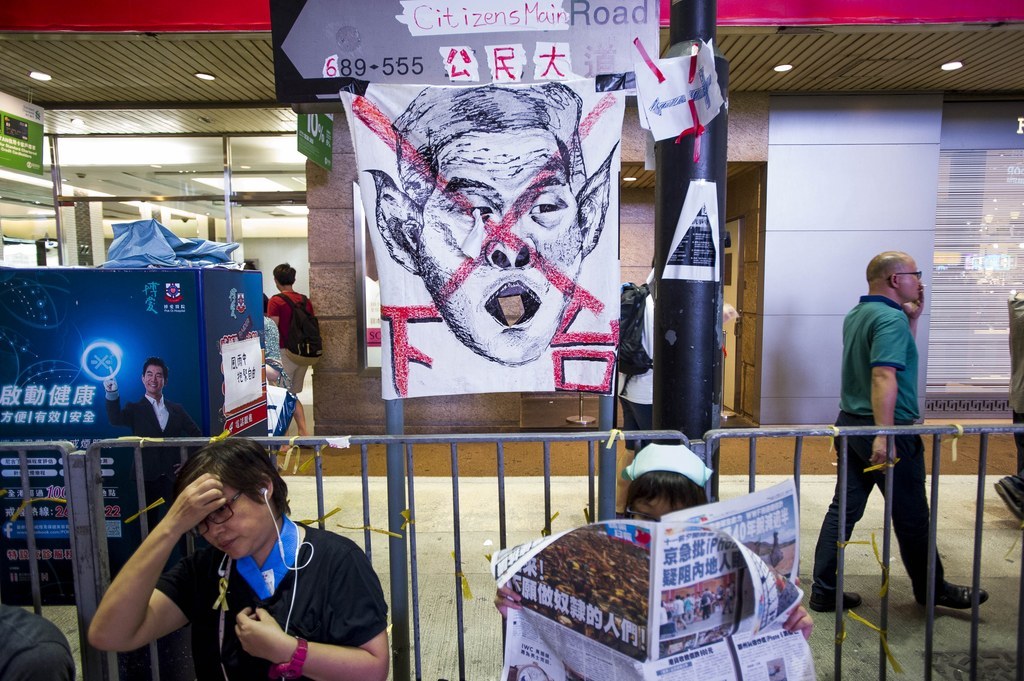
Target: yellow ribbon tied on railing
292, 448
586, 514
880, 466
959, 434
466, 593
832, 440
24, 505
223, 436
885, 568
841, 636
546, 532
300, 468
322, 518
612, 435
882, 636
360, 528
407, 514
135, 516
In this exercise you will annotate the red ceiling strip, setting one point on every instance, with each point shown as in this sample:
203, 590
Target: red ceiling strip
164, 16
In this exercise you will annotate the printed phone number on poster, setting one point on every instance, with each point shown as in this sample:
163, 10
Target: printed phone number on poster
389, 66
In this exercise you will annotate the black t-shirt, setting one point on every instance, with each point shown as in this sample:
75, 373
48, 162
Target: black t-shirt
32, 648
338, 601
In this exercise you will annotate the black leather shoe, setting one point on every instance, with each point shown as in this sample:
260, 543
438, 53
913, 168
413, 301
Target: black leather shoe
958, 597
1011, 496
821, 603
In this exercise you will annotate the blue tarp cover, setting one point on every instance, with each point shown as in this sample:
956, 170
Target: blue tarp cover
147, 243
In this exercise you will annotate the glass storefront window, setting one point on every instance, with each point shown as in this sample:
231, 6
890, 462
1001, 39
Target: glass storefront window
978, 262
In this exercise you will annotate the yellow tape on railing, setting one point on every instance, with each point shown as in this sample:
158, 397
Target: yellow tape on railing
586, 514
885, 568
360, 528
546, 532
322, 518
466, 593
880, 466
841, 636
959, 434
223, 436
612, 435
882, 636
292, 448
305, 464
24, 504
407, 514
156, 503
832, 440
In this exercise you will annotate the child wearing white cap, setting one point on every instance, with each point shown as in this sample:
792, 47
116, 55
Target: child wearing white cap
664, 478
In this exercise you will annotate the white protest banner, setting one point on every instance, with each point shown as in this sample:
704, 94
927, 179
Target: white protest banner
494, 221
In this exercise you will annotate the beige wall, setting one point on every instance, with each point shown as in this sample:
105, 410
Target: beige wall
347, 400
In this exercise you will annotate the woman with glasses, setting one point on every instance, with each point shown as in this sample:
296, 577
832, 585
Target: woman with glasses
664, 479
267, 599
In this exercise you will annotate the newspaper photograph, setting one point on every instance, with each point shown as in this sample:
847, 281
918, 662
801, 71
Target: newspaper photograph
674, 599
766, 522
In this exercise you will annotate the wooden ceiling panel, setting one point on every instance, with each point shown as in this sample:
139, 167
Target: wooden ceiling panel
102, 77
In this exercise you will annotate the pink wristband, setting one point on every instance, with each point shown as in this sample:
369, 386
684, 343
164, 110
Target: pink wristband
292, 669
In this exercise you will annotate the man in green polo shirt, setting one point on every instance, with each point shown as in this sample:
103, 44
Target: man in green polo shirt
879, 388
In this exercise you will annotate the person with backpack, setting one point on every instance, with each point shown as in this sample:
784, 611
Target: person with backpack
301, 345
636, 373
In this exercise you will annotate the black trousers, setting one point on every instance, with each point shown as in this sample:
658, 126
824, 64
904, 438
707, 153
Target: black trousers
910, 516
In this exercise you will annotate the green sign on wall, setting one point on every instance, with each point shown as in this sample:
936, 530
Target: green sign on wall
316, 138
21, 135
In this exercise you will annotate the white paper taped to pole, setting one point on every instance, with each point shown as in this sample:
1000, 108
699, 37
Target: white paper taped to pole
695, 253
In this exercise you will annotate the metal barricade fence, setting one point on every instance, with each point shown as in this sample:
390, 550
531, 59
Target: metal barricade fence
20, 490
91, 562
710, 448
86, 493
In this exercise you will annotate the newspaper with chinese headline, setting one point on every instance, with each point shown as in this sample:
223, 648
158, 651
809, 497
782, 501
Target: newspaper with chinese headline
700, 595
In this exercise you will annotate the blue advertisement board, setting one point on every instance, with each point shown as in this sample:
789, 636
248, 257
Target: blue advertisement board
80, 350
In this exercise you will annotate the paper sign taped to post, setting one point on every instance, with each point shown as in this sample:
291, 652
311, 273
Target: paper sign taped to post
695, 255
242, 366
678, 96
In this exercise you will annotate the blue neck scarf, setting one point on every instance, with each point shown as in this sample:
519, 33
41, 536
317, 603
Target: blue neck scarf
265, 580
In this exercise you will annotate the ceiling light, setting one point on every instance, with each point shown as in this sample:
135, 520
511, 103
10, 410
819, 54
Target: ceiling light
78, 122
244, 184
952, 65
39, 75
629, 179
204, 76
782, 68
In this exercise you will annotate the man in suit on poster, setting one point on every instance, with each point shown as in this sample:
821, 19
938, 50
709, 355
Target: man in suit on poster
153, 416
